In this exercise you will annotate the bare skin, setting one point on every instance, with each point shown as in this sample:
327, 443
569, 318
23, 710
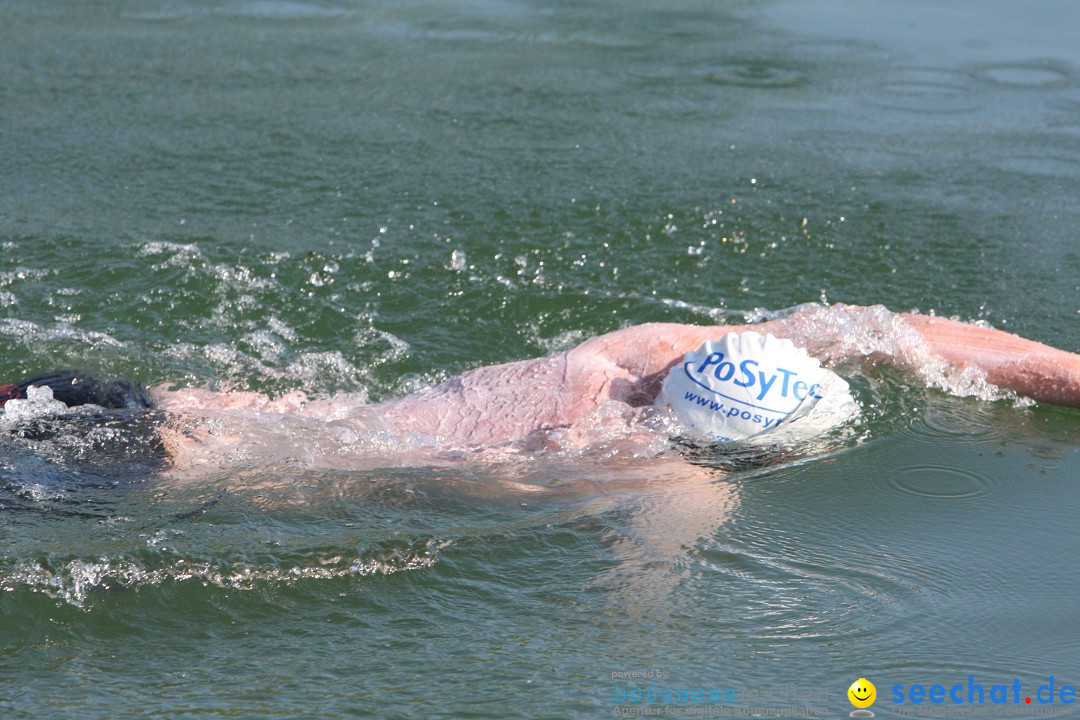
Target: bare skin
581, 394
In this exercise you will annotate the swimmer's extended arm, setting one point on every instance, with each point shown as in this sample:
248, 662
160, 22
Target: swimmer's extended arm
1032, 369
933, 346
840, 332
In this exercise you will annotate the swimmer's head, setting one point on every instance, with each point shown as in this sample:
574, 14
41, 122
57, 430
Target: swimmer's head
748, 387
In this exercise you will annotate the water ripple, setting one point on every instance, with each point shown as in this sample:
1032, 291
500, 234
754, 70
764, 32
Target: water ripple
925, 91
954, 423
257, 9
1034, 74
1050, 162
785, 597
940, 482
754, 74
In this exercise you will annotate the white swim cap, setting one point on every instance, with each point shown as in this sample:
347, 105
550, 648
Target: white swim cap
748, 386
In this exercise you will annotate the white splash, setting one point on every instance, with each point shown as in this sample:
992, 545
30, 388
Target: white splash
39, 403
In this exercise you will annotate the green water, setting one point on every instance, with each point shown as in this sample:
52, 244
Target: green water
375, 197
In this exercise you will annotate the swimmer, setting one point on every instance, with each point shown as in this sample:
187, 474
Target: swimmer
595, 396
568, 400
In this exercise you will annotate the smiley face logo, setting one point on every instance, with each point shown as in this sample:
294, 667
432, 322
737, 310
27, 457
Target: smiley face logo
862, 693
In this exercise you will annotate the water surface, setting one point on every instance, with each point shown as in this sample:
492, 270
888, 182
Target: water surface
374, 197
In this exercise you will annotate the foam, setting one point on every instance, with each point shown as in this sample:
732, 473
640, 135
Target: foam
833, 333
74, 581
39, 403
31, 334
